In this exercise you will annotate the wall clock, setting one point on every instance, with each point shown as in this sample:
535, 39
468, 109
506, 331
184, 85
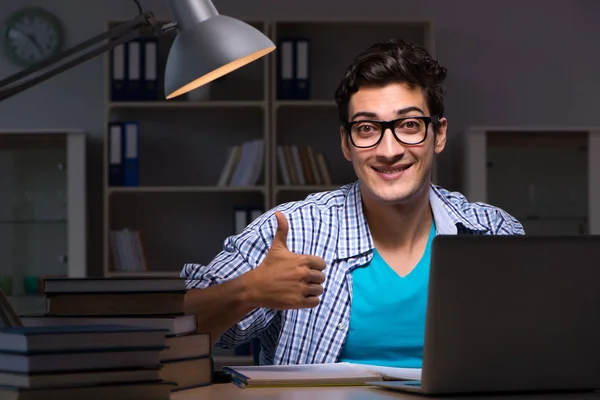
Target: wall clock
31, 35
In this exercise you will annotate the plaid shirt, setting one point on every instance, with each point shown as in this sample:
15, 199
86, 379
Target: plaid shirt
330, 225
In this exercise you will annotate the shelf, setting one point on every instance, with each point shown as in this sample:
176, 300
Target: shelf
177, 228
186, 189
318, 128
305, 103
28, 304
27, 298
191, 148
33, 221
187, 104
144, 273
40, 140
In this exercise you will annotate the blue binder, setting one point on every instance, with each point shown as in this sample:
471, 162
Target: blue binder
135, 88
302, 69
115, 154
149, 74
285, 69
118, 73
293, 69
131, 140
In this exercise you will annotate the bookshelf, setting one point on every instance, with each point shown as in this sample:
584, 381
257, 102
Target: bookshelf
182, 212
547, 177
177, 208
42, 212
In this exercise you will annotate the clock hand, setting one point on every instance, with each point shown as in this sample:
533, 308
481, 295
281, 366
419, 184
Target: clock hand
35, 43
30, 38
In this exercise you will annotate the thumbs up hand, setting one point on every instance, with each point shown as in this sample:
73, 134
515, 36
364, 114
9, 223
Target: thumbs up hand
286, 280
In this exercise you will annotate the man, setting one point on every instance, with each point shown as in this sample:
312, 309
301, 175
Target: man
342, 275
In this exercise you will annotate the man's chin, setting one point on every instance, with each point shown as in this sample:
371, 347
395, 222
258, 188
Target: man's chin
395, 199
393, 195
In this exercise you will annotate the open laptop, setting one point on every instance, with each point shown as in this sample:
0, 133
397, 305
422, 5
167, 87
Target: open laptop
511, 314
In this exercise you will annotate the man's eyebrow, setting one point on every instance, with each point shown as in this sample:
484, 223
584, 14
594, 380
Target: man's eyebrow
367, 114
400, 112
406, 110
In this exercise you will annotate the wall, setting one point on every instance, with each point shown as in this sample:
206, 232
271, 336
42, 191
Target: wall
531, 65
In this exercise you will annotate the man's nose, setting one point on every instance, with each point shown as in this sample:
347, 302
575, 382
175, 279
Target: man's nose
389, 146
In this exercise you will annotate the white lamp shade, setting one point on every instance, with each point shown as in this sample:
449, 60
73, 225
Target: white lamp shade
210, 49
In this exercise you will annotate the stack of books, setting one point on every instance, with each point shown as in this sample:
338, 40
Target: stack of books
93, 361
149, 302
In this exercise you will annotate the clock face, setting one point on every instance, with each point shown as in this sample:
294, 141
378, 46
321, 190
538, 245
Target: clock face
32, 35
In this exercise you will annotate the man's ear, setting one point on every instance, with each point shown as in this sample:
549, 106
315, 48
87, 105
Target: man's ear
345, 145
440, 136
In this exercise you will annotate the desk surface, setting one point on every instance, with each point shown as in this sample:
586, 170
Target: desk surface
229, 391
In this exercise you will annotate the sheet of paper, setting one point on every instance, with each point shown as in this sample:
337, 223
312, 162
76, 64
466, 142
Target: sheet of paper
392, 373
304, 372
324, 372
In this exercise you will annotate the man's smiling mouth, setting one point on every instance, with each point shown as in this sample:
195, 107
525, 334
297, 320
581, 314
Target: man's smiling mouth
392, 169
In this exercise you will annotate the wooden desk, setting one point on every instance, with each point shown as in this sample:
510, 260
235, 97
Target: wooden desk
228, 391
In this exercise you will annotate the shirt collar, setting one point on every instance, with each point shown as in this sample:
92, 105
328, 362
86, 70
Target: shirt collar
354, 235
449, 218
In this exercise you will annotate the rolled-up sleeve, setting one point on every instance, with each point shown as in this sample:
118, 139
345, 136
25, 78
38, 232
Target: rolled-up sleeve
506, 224
241, 253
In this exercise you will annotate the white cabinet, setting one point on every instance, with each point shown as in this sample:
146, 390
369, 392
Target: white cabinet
42, 211
548, 178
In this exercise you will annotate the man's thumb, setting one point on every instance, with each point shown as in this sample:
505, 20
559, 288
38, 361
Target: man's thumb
282, 230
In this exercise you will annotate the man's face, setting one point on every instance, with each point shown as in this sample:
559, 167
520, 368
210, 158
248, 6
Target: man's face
392, 172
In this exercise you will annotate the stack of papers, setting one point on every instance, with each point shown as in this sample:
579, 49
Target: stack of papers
335, 374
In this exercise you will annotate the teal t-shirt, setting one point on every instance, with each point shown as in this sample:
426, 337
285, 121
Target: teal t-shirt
387, 316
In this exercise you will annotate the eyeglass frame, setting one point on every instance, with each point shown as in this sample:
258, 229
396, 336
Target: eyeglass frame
385, 125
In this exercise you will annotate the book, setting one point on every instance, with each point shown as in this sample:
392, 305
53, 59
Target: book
116, 391
186, 346
174, 325
188, 373
115, 304
85, 361
78, 378
37, 339
123, 358
114, 285
331, 374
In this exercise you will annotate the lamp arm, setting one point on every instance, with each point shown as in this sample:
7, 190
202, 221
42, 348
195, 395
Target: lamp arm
122, 33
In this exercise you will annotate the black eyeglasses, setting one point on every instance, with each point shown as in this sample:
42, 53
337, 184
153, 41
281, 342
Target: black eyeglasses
407, 130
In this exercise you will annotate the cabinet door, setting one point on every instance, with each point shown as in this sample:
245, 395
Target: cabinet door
541, 179
33, 211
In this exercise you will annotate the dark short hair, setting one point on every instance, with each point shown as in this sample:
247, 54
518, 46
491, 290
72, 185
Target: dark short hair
393, 61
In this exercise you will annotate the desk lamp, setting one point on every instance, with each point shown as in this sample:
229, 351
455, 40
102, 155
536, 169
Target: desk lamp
207, 46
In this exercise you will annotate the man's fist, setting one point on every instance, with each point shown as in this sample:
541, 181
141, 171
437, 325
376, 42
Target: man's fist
286, 280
